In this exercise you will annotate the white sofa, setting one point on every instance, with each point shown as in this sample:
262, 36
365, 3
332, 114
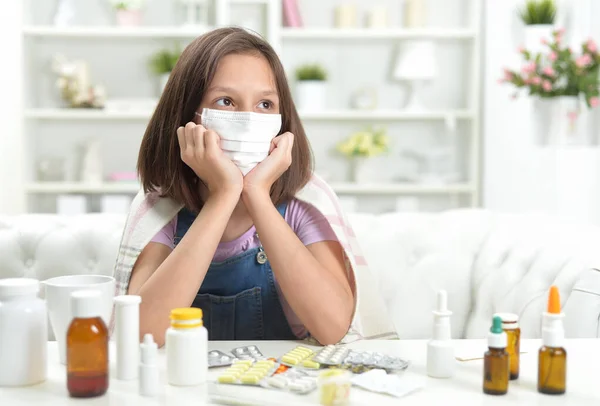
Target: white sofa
487, 262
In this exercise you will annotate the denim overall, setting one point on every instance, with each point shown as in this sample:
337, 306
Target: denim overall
238, 296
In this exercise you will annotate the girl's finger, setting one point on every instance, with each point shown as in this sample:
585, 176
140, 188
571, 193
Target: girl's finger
189, 135
198, 135
181, 138
211, 142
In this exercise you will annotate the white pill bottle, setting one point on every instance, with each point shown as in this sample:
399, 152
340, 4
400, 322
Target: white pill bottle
186, 344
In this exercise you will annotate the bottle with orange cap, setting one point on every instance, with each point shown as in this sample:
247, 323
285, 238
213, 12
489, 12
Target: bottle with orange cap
552, 357
186, 344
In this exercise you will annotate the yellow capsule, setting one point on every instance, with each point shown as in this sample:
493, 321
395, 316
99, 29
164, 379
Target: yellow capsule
250, 379
243, 362
226, 378
311, 364
269, 364
290, 360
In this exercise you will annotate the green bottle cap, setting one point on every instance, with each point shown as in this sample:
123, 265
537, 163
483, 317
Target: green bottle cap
496, 325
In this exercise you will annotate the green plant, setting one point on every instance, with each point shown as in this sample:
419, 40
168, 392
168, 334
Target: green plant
560, 72
311, 72
538, 12
366, 143
127, 4
164, 61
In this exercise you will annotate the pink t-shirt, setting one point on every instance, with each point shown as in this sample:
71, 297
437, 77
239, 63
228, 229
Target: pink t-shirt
307, 222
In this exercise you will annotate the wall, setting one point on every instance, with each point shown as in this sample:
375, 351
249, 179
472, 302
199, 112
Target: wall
519, 176
11, 149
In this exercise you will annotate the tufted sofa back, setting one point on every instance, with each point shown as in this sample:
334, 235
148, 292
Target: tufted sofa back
487, 263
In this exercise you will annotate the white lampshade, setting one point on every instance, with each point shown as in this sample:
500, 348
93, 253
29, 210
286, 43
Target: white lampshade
416, 61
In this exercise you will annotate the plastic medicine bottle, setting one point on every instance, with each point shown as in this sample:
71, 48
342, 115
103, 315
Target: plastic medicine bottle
87, 346
186, 344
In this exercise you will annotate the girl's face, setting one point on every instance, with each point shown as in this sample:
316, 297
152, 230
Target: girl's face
242, 82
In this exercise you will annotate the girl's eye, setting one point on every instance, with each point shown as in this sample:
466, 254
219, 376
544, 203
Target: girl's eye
225, 102
265, 105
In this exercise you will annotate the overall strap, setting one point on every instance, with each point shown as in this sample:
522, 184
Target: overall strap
282, 208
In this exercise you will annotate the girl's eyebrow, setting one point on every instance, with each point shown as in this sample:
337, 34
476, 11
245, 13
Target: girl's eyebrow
267, 92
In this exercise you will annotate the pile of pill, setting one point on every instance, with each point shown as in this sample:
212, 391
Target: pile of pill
248, 352
331, 355
219, 359
300, 356
293, 380
248, 372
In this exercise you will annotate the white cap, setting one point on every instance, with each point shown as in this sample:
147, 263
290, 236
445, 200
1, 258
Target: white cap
553, 331
509, 320
149, 378
18, 286
442, 304
127, 300
86, 304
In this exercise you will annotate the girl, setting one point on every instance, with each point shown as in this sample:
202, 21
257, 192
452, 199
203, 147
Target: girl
220, 226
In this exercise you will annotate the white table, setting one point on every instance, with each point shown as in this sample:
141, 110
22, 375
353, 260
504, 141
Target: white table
583, 385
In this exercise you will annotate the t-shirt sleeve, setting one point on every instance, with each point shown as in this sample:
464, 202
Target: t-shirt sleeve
308, 223
167, 234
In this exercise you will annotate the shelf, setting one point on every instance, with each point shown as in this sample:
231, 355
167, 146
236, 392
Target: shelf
83, 188
332, 115
85, 114
113, 32
385, 115
385, 33
400, 189
340, 188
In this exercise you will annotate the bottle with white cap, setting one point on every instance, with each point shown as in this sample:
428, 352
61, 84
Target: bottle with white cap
496, 361
23, 333
127, 335
148, 367
440, 350
87, 346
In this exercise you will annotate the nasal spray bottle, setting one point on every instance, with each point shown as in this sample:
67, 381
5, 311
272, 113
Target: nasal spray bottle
552, 357
440, 351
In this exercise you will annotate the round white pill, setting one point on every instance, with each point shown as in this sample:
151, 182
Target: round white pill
239, 351
252, 348
225, 358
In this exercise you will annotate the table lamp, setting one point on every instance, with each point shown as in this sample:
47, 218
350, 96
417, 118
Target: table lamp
416, 65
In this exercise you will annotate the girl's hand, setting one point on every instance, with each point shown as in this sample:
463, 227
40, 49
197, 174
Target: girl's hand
261, 178
200, 151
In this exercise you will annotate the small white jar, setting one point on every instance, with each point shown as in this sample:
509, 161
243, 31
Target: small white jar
187, 348
23, 333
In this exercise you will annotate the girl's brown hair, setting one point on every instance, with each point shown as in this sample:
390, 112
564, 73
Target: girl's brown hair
159, 162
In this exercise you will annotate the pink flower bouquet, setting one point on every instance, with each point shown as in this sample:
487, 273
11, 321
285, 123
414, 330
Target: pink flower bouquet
559, 72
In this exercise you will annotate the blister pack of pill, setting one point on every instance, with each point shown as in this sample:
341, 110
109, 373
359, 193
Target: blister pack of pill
331, 355
299, 356
248, 372
218, 358
293, 380
362, 361
248, 352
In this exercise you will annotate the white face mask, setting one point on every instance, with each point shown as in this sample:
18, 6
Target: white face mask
245, 136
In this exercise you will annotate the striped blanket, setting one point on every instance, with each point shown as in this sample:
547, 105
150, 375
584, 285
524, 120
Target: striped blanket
149, 213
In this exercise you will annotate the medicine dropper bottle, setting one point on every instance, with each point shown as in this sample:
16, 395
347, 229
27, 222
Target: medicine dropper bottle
496, 361
87, 346
552, 357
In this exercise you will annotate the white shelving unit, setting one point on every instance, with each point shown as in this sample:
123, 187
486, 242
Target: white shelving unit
333, 115
280, 37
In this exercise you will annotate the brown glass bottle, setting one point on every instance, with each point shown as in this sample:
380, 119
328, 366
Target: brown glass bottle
496, 371
513, 335
87, 347
552, 370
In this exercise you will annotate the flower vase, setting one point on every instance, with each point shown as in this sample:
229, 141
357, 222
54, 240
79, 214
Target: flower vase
562, 121
311, 95
129, 18
358, 168
535, 34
